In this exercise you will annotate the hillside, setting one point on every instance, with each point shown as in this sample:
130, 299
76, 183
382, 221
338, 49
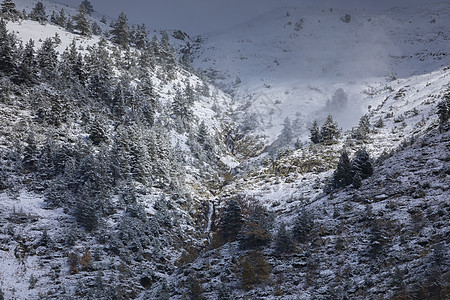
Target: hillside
125, 173
290, 61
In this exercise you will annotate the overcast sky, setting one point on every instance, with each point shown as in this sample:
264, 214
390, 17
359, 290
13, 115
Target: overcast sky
201, 16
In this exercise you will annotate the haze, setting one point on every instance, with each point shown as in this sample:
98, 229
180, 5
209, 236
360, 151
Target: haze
201, 16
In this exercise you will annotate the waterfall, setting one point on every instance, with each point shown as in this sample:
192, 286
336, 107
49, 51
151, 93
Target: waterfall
210, 215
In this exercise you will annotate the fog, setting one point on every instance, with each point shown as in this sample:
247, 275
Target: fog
201, 16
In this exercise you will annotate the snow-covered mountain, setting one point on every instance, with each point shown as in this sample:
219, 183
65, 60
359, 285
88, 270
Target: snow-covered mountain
125, 174
289, 61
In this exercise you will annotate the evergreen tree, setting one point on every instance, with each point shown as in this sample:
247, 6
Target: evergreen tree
30, 154
315, 136
154, 47
47, 58
28, 64
100, 73
82, 23
338, 100
444, 110
121, 32
255, 231
287, 133
231, 222
363, 130
357, 180
283, 241
343, 174
8, 50
88, 8
329, 131
96, 29
123, 96
8, 9
379, 123
38, 13
362, 164
148, 100
303, 225
203, 137
72, 66
181, 112
141, 40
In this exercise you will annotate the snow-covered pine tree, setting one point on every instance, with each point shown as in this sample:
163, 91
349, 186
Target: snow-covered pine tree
147, 99
82, 24
444, 110
287, 133
100, 74
47, 58
314, 133
379, 123
362, 164
255, 231
363, 130
38, 13
141, 40
96, 29
338, 101
231, 221
8, 9
121, 31
329, 131
61, 19
342, 176
181, 112
71, 65
303, 225
8, 50
87, 5
283, 241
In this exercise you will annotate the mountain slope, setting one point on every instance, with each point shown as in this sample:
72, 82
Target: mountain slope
289, 62
123, 175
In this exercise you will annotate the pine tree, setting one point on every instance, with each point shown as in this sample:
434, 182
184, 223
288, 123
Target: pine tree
29, 155
71, 65
444, 110
231, 222
100, 73
96, 29
86, 4
363, 130
315, 136
202, 133
181, 111
38, 13
255, 232
121, 32
8, 50
329, 131
343, 175
338, 100
8, 9
287, 133
140, 37
148, 100
283, 241
357, 180
362, 164
47, 58
82, 23
303, 225
379, 123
